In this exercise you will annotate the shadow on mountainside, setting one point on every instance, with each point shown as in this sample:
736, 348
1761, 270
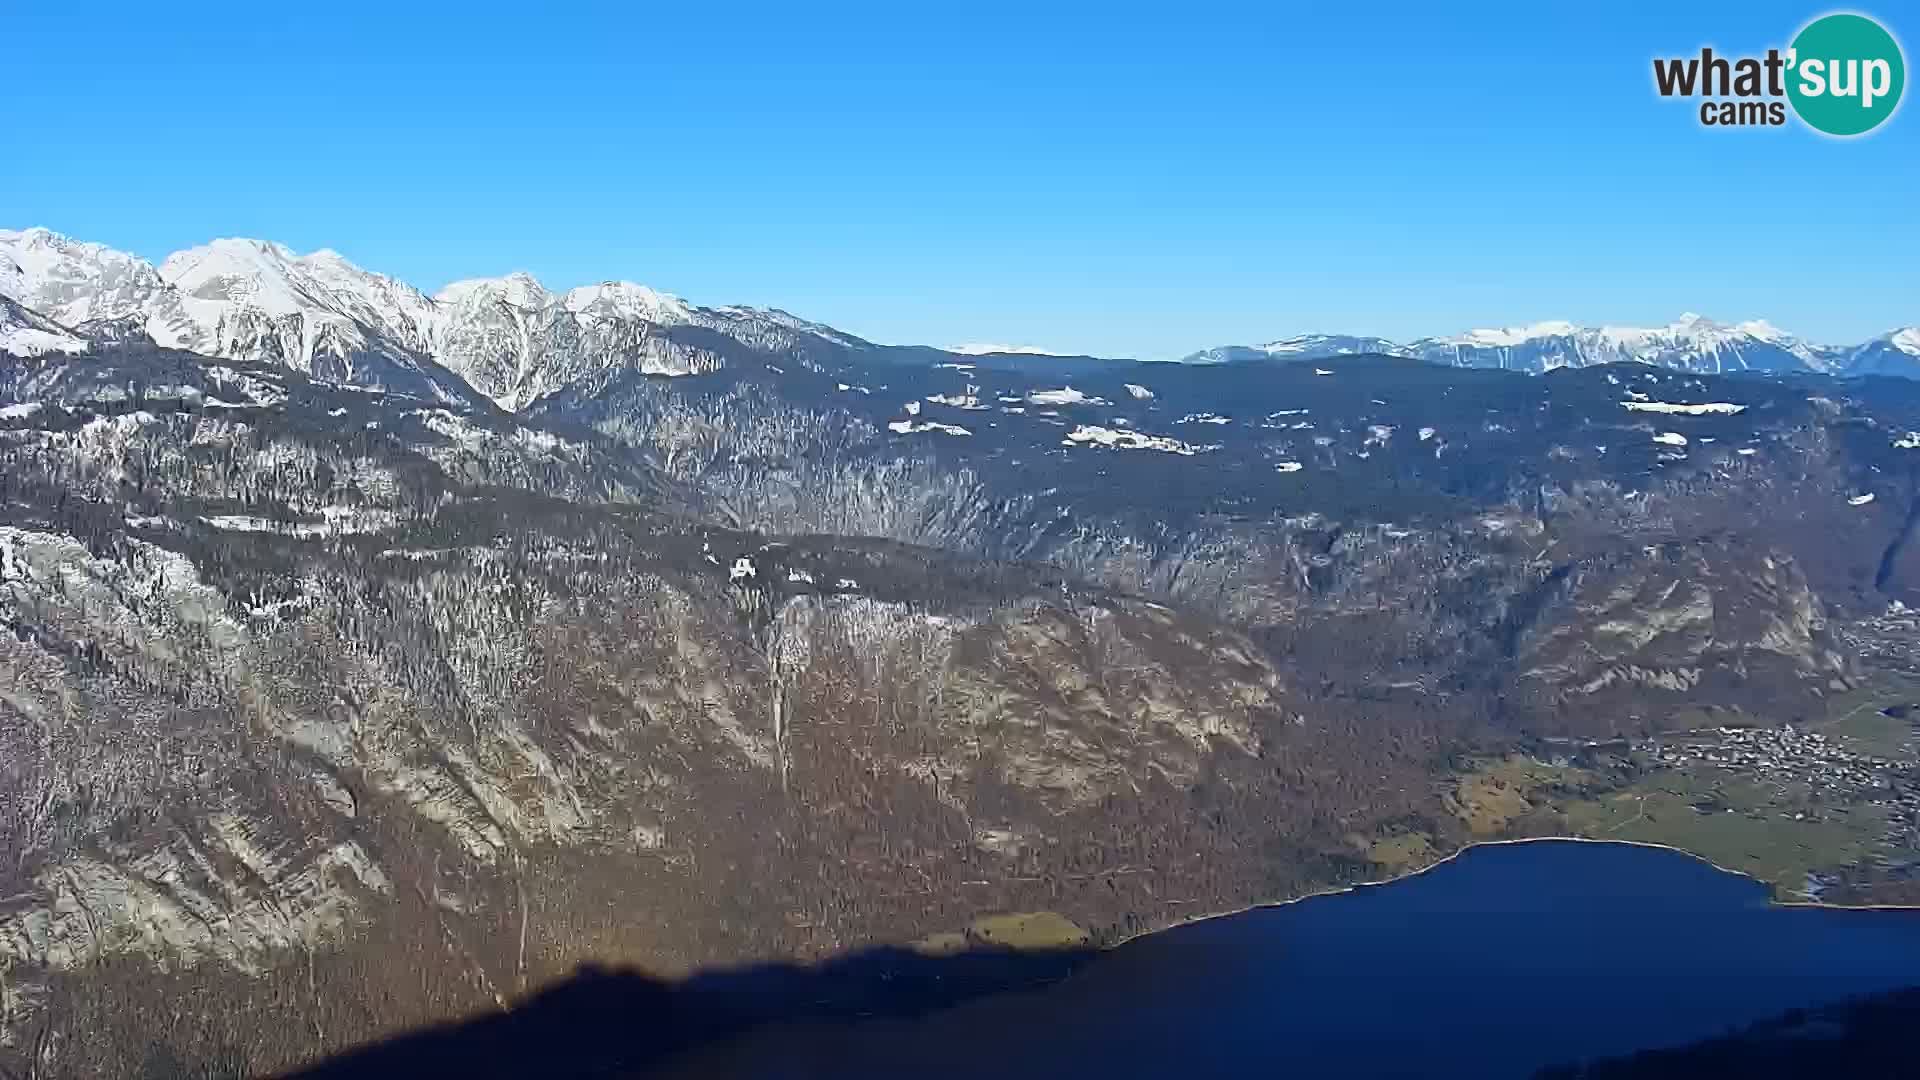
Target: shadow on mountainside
789, 1020
1866, 1037
607, 1022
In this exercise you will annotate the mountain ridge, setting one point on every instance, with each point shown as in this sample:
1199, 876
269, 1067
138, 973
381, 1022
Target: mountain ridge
509, 339
512, 340
1691, 343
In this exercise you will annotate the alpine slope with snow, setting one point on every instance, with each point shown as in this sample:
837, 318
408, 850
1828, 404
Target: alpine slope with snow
1893, 353
25, 333
235, 299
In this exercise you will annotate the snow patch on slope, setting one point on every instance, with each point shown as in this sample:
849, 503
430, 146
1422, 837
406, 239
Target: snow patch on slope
910, 427
1715, 408
982, 348
1066, 395
1094, 435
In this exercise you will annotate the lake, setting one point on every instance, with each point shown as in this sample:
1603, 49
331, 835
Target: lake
1506, 959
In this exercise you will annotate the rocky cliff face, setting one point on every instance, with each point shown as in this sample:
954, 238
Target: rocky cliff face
1641, 642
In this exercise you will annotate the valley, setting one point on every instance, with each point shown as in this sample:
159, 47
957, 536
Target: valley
1825, 812
375, 659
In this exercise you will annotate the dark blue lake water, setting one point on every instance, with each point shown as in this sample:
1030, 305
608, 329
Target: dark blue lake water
1507, 959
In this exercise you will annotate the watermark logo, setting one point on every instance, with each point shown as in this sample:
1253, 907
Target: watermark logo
1842, 75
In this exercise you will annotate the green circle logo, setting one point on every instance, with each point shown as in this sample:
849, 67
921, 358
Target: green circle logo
1844, 74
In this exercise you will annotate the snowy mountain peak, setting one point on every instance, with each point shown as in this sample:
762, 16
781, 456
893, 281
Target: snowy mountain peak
514, 341
1506, 337
1896, 352
250, 272
318, 313
1689, 325
1691, 342
272, 277
1762, 329
624, 299
519, 288
74, 282
1692, 323
44, 246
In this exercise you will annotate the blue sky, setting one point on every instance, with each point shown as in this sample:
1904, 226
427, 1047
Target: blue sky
1127, 181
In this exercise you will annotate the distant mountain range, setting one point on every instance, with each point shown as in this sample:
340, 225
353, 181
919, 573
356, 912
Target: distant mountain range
982, 348
1690, 343
512, 341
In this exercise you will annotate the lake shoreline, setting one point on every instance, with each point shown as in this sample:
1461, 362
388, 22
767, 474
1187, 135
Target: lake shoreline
1463, 849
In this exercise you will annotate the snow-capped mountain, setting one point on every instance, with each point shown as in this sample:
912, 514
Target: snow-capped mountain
1689, 343
509, 338
516, 342
513, 341
317, 313
240, 299
1894, 353
78, 284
